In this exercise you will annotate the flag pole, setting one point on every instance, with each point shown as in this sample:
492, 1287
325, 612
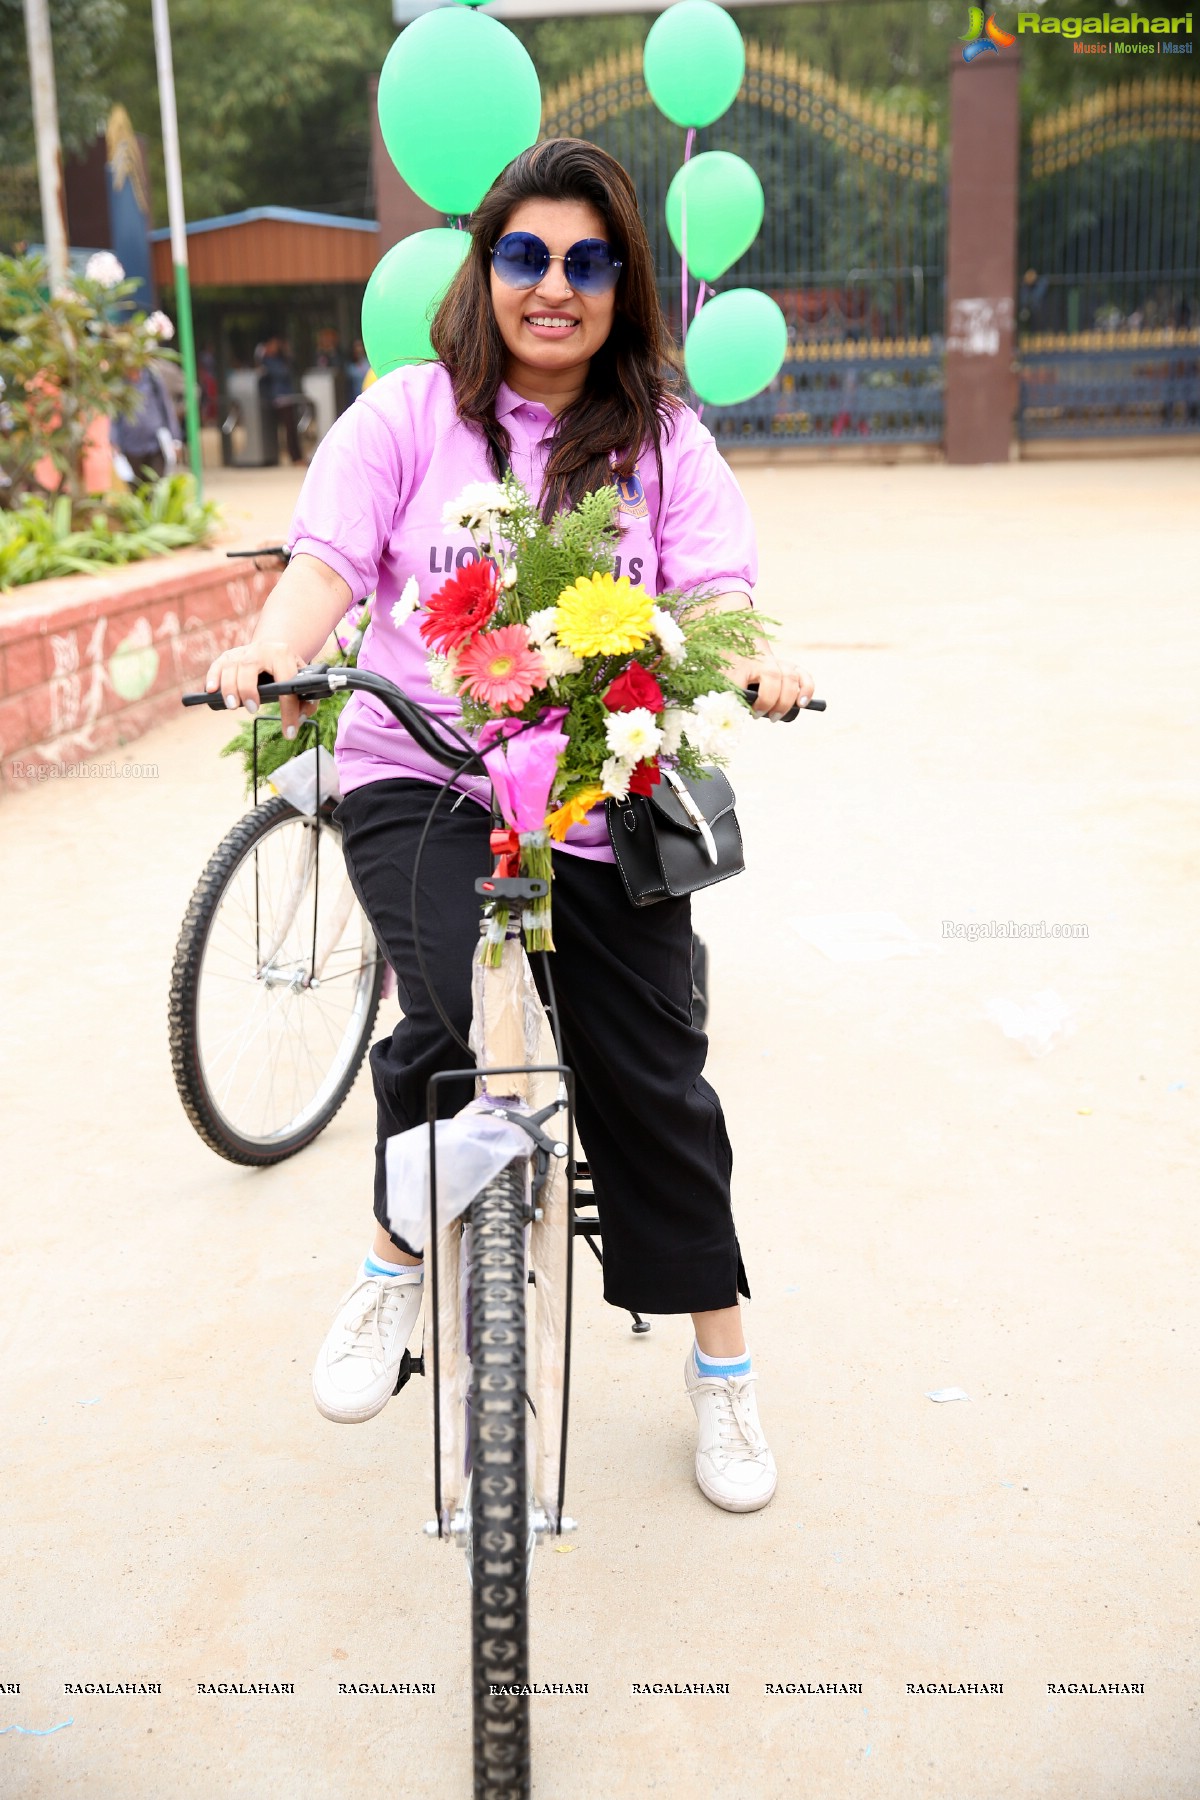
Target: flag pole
178, 224
45, 121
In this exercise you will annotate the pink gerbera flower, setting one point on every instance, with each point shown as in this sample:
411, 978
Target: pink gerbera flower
499, 669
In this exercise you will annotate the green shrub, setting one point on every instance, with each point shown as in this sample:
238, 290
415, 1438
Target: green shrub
41, 538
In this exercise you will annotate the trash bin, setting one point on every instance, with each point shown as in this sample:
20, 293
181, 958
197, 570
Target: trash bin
249, 432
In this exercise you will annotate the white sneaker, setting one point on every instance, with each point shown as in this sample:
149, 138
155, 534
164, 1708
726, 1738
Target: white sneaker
359, 1361
734, 1467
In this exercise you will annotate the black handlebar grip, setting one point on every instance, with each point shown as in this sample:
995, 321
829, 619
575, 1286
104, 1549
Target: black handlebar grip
814, 705
216, 699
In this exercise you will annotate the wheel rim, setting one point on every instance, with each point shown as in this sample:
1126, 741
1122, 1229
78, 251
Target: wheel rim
272, 1044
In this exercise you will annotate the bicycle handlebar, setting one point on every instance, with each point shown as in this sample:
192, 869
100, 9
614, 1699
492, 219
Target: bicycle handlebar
440, 741
814, 705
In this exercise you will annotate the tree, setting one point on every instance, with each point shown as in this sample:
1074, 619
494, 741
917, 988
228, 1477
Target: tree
272, 100
85, 33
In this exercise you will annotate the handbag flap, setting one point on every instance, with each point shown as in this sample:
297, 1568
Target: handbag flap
712, 794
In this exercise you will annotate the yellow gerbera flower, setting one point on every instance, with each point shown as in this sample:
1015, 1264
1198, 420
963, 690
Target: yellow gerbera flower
599, 616
574, 812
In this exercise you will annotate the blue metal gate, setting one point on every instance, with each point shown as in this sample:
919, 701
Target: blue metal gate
1108, 307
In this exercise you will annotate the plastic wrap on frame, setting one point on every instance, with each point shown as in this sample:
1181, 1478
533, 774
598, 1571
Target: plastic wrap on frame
506, 1019
549, 1249
452, 1367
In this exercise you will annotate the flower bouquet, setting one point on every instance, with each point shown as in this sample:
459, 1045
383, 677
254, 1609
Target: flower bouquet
578, 685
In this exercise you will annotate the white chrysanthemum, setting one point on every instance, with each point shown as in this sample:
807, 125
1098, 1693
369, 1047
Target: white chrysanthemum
480, 503
508, 575
669, 634
614, 778
542, 625
559, 661
408, 602
104, 268
160, 327
715, 724
443, 676
632, 735
674, 724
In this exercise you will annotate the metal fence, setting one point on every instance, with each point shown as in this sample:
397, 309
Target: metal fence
1108, 305
852, 245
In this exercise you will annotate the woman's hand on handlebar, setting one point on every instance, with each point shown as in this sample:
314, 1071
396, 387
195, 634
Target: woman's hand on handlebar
781, 683
236, 673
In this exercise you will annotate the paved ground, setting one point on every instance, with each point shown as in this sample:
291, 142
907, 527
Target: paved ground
1011, 657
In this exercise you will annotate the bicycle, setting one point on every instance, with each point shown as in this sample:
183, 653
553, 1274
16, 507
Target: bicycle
500, 1430
277, 981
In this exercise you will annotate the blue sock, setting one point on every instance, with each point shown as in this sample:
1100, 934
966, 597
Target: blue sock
720, 1367
376, 1266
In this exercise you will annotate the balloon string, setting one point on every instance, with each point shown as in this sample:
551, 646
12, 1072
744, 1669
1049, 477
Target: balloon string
687, 157
700, 300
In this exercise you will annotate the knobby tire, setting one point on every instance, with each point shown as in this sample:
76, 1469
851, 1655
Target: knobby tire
183, 1003
499, 1496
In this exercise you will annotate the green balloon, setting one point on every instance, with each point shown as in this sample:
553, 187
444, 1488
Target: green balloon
725, 206
736, 347
458, 98
404, 293
695, 60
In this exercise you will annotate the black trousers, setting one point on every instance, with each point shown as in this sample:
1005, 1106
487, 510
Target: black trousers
651, 1125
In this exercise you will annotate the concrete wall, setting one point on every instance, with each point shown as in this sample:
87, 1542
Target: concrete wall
88, 663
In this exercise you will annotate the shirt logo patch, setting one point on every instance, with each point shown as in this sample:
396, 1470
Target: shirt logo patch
633, 497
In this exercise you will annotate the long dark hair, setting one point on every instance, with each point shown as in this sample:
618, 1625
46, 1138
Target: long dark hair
629, 396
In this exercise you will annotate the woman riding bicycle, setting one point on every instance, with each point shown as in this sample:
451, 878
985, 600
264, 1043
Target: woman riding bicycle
554, 361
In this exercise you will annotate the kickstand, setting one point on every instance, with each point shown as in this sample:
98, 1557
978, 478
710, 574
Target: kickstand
640, 1325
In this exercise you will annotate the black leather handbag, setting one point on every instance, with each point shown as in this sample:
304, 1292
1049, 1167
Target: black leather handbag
685, 836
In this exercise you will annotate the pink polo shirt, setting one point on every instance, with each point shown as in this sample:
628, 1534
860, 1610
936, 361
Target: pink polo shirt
371, 509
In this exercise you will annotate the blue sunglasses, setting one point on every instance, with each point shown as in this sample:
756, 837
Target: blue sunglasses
521, 260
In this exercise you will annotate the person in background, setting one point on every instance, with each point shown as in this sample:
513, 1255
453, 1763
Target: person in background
279, 385
147, 444
170, 372
209, 392
357, 370
329, 356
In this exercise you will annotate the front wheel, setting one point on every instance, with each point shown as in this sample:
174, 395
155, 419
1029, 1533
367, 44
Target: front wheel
499, 1498
275, 987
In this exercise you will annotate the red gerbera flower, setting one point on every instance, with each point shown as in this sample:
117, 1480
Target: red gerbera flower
634, 687
644, 777
460, 607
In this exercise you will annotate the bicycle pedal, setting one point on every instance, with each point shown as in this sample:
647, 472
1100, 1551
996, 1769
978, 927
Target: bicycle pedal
409, 1366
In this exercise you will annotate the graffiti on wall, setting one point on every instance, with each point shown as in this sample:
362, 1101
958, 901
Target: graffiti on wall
92, 679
